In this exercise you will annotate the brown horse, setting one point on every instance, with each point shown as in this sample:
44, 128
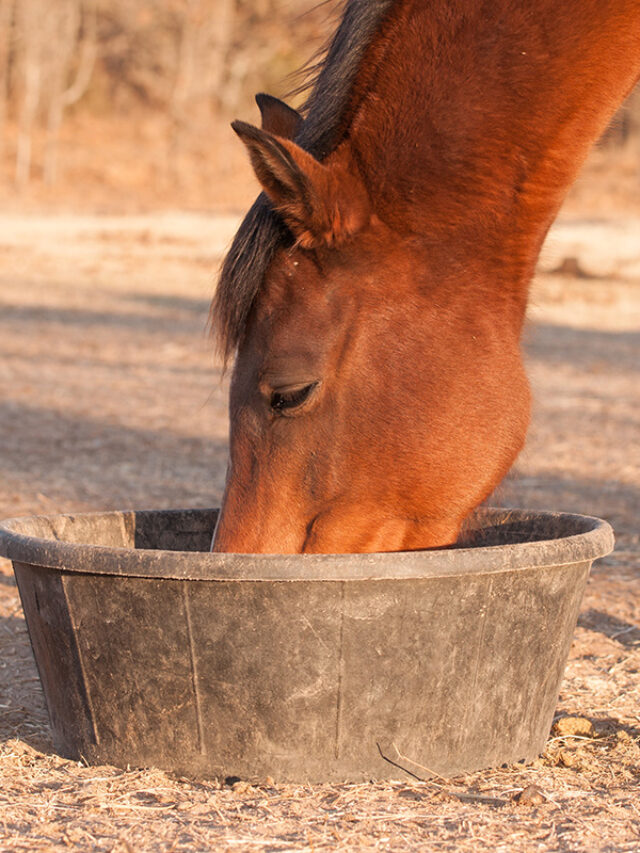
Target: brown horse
374, 295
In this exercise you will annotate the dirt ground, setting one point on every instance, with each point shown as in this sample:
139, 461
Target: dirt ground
111, 398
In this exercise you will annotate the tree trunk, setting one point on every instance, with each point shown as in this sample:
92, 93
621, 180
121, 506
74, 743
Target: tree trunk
28, 110
6, 29
77, 12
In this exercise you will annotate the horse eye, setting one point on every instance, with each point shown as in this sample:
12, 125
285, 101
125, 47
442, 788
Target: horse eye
283, 401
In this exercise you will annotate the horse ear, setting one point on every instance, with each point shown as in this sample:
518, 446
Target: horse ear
277, 117
321, 204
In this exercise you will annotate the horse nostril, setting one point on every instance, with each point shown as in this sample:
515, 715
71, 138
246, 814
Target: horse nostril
286, 399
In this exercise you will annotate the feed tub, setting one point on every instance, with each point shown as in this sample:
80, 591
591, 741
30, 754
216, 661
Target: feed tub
304, 668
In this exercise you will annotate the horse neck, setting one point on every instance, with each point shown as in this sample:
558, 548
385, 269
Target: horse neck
470, 119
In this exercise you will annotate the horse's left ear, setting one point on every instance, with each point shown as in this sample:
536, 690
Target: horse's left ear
322, 204
277, 117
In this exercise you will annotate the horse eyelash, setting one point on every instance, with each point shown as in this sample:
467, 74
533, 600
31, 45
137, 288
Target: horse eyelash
284, 400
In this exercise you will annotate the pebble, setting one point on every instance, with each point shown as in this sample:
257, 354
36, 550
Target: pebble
576, 726
532, 795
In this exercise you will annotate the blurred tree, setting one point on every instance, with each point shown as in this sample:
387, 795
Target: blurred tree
187, 59
204, 34
31, 40
55, 49
6, 34
72, 49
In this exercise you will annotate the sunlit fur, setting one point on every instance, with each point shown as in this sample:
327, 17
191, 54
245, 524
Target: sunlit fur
397, 271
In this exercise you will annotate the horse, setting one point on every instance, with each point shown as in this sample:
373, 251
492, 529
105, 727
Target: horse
375, 293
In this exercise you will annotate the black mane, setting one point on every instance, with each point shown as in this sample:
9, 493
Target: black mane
262, 231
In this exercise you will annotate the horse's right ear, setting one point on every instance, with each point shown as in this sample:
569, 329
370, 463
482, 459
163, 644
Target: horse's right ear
322, 203
277, 117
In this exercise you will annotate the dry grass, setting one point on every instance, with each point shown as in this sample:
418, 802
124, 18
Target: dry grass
588, 799
111, 399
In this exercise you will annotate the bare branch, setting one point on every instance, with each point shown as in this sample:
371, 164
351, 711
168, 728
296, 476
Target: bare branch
88, 54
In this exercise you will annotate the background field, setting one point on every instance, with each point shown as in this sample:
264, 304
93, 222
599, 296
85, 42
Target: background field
111, 398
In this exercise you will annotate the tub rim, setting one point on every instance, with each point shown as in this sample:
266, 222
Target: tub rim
593, 538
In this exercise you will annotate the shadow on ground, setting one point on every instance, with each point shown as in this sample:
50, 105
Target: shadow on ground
625, 633
588, 349
79, 458
178, 321
23, 712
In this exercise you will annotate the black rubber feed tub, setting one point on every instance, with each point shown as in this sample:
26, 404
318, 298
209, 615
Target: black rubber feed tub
303, 668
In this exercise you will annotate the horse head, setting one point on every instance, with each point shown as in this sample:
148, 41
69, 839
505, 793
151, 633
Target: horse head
372, 404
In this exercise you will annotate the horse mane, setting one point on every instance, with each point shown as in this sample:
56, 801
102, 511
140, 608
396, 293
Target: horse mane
262, 231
